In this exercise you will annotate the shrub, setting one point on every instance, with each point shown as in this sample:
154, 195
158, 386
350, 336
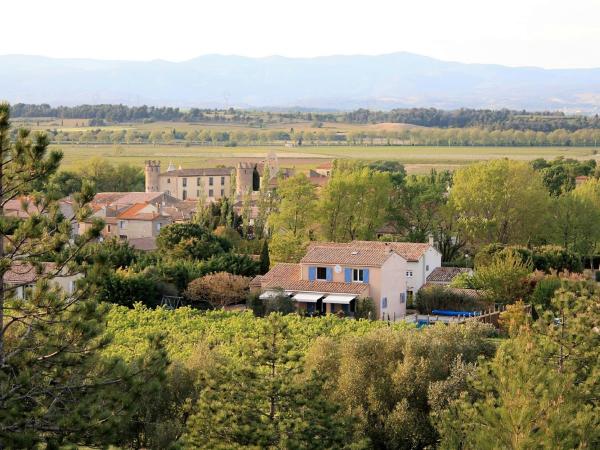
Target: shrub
544, 291
218, 289
365, 309
441, 297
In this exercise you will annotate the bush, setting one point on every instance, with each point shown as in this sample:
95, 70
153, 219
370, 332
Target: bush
365, 309
441, 297
545, 257
544, 291
218, 289
279, 304
125, 287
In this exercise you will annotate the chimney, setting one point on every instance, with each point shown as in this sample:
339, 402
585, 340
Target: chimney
431, 242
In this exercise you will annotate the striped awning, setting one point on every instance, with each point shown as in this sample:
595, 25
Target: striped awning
339, 299
307, 297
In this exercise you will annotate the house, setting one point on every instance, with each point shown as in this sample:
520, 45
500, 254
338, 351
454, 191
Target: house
421, 259
24, 206
444, 275
23, 276
331, 278
324, 169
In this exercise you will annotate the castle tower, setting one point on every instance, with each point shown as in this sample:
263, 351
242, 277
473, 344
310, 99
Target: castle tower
152, 172
244, 173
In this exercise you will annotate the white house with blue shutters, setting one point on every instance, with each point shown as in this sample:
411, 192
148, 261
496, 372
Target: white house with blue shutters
331, 277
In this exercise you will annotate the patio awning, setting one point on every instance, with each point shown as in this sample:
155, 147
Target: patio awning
307, 297
339, 299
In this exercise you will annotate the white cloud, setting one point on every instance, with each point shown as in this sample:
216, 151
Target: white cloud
547, 33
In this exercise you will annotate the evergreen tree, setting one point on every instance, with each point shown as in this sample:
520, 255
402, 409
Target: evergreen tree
265, 262
55, 387
542, 388
263, 399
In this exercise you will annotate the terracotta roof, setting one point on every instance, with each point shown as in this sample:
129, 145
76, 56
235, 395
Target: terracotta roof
134, 212
446, 274
411, 251
326, 165
316, 286
198, 172
343, 253
473, 293
288, 271
25, 273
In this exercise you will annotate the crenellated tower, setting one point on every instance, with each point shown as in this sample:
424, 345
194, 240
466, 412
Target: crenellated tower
152, 175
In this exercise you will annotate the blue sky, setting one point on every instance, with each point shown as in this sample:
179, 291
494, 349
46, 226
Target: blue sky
545, 33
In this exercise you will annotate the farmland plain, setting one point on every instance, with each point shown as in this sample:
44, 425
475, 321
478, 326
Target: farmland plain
417, 159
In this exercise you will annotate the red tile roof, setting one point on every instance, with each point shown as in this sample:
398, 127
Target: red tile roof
317, 286
446, 274
411, 251
346, 253
25, 273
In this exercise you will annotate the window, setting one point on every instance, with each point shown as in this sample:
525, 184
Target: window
427, 268
197, 193
210, 181
211, 193
321, 273
409, 273
198, 182
184, 181
222, 181
108, 227
409, 295
402, 297
168, 181
358, 275
158, 225
184, 194
121, 224
383, 302
222, 192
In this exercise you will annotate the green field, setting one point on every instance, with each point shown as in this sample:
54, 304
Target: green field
418, 159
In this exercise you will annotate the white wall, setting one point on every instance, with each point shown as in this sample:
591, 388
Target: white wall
421, 269
392, 286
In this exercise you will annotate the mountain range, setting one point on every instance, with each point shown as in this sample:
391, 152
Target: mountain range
397, 80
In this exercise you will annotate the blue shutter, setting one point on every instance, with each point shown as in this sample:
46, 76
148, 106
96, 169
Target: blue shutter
365, 275
312, 273
348, 275
329, 271
383, 302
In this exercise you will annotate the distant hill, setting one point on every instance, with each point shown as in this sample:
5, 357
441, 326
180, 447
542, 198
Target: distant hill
397, 80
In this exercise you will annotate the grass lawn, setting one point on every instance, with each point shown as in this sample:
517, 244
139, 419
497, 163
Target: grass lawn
418, 159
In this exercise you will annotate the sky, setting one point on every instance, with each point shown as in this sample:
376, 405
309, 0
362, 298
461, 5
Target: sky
544, 33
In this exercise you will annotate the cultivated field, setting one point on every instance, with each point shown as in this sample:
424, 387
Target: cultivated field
418, 159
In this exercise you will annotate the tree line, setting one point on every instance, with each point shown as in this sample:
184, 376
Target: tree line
502, 119
439, 137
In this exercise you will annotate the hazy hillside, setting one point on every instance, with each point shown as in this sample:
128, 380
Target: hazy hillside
333, 82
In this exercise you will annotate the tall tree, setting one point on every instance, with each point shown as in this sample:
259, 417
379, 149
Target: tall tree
354, 203
259, 399
542, 388
55, 386
500, 201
